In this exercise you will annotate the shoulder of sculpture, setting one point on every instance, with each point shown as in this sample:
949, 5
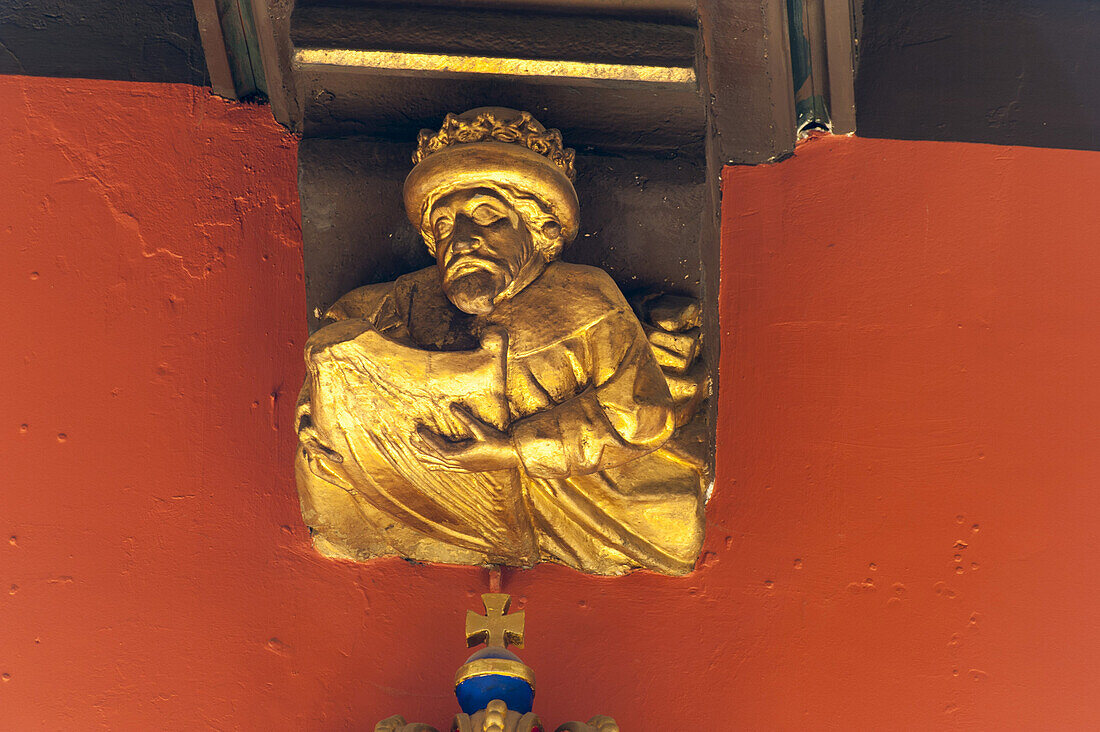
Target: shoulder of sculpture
362, 302
579, 283
366, 301
328, 336
427, 276
564, 303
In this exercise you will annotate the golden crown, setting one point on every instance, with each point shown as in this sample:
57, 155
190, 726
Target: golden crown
497, 124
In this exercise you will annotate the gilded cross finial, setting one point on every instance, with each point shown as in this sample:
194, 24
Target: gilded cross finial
495, 627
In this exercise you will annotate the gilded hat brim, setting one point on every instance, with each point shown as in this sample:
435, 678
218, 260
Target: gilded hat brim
467, 165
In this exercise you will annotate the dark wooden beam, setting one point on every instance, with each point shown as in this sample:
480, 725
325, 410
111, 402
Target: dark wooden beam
214, 46
747, 79
272, 20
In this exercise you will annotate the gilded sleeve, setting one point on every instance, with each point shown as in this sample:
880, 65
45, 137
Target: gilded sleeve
623, 414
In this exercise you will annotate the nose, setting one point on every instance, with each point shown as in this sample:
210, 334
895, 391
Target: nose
464, 238
462, 244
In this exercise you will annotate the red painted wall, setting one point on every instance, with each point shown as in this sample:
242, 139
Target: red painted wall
903, 528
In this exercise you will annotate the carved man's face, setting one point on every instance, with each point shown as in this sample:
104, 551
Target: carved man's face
482, 244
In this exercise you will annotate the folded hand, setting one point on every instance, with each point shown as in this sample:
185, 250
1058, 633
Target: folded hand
487, 449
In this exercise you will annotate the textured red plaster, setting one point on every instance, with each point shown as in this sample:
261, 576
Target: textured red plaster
909, 440
908, 352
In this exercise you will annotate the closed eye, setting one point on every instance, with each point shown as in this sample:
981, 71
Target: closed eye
486, 214
443, 227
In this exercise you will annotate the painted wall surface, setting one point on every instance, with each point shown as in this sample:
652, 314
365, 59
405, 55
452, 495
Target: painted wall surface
903, 529
151, 40
1010, 73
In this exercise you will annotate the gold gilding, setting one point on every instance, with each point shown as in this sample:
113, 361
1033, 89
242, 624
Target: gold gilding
501, 407
496, 627
455, 64
494, 165
495, 667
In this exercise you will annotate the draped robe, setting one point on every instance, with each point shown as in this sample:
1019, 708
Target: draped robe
565, 369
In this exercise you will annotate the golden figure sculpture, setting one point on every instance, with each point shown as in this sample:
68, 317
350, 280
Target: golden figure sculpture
502, 407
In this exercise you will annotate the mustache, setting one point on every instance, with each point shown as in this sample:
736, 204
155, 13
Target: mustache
456, 265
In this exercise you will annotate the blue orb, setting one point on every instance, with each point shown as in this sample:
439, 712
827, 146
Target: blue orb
510, 682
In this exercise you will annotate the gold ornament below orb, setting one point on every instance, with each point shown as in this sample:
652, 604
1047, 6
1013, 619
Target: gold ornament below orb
503, 407
496, 627
495, 670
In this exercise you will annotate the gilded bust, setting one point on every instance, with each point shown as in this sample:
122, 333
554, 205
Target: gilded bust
503, 406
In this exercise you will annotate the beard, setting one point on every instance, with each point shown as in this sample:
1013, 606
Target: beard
474, 289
